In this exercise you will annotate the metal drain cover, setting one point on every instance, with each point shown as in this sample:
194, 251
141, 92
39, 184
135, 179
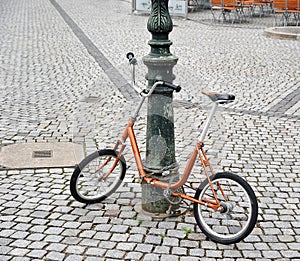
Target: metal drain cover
91, 99
40, 155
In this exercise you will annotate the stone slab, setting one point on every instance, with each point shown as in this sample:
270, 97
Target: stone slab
40, 155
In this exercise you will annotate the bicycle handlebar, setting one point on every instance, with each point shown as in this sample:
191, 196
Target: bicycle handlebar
172, 86
147, 93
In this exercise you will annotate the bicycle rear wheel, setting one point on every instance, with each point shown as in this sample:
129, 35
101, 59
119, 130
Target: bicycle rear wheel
97, 176
240, 210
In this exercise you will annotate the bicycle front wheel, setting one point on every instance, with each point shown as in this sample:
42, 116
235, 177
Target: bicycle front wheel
97, 176
239, 211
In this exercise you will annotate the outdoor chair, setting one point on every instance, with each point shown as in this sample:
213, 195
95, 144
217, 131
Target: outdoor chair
263, 6
226, 9
288, 10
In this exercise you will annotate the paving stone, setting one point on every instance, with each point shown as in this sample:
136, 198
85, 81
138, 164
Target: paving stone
152, 257
138, 230
71, 225
75, 250
18, 252
169, 257
20, 258
136, 238
96, 251
5, 258
291, 254
38, 229
107, 245
102, 236
115, 254
208, 245
162, 249
53, 230
4, 250
53, 238
7, 232
271, 254
37, 245
293, 246
55, 223
69, 240
213, 253
179, 251
39, 254
119, 237
39, 214
74, 258
5, 241
133, 256
157, 231
126, 246
145, 248
56, 247
197, 252
188, 258
71, 232
167, 225
252, 254
119, 229
232, 254
104, 227
176, 233
94, 259
155, 240
20, 243
55, 256
19, 235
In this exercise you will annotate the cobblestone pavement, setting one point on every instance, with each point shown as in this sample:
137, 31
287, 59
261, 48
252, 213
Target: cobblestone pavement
63, 77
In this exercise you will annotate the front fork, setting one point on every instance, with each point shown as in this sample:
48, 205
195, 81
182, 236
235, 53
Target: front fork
117, 145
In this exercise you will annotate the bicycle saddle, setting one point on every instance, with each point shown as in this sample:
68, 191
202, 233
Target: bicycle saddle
221, 98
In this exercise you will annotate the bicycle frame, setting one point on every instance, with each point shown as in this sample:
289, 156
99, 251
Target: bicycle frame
198, 151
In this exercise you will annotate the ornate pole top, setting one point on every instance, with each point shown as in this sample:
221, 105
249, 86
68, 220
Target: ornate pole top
160, 22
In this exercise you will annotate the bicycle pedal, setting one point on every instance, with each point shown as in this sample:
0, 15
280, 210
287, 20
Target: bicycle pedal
175, 213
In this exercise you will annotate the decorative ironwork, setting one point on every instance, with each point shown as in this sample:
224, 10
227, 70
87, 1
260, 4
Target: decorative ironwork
160, 20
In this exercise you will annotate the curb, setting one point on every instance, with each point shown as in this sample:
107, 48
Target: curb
287, 32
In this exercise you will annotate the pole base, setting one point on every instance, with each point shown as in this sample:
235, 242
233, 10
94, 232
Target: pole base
154, 215
154, 199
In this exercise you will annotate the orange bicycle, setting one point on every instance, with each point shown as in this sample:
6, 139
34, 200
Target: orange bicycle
225, 206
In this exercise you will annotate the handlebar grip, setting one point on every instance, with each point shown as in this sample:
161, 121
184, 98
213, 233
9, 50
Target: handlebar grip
129, 56
172, 86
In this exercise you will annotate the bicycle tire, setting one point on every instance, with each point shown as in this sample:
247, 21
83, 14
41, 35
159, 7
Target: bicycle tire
88, 183
241, 210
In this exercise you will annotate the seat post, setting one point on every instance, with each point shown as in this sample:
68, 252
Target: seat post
208, 121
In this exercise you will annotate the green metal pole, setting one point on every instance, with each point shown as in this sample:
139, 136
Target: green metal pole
160, 144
